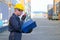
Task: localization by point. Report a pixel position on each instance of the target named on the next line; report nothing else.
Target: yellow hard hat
(19, 6)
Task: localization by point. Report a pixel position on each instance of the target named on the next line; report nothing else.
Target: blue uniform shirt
(15, 24)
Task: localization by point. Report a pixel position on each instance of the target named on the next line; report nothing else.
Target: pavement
(45, 30)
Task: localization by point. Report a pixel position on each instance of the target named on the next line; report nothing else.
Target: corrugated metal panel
(4, 10)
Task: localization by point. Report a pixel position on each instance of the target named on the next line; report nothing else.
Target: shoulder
(12, 17)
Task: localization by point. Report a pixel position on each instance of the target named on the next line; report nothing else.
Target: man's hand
(23, 17)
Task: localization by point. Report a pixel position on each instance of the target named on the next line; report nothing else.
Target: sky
(40, 5)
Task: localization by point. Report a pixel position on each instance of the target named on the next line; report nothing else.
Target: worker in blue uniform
(15, 23)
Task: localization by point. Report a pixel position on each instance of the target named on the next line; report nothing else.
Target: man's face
(19, 12)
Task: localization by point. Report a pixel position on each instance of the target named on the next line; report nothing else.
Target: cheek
(18, 12)
(21, 12)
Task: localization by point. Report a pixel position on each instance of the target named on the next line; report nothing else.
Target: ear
(15, 10)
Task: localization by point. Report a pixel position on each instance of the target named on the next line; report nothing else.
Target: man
(15, 23)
